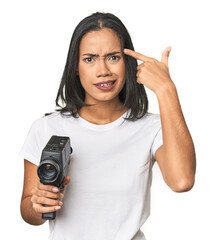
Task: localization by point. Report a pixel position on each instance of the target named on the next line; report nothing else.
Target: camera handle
(49, 216)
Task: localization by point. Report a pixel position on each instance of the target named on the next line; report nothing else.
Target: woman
(115, 140)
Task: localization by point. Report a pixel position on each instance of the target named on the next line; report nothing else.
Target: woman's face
(101, 66)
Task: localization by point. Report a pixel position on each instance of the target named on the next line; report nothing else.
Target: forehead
(100, 42)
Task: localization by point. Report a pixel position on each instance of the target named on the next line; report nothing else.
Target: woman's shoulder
(149, 121)
(151, 118)
(51, 119)
(47, 117)
(152, 115)
(55, 116)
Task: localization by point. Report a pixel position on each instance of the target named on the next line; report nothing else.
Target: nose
(103, 70)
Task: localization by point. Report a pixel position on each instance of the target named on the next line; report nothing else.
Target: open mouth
(106, 86)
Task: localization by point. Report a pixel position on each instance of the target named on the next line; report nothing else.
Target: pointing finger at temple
(137, 55)
(165, 56)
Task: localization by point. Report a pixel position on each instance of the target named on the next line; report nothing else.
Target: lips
(106, 85)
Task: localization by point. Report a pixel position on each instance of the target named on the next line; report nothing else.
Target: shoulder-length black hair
(71, 92)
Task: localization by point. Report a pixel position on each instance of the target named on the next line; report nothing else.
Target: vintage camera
(54, 163)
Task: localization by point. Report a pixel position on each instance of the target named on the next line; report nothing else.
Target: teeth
(106, 84)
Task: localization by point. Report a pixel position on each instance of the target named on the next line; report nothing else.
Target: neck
(102, 113)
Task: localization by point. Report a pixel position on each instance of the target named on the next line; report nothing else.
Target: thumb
(165, 56)
(66, 181)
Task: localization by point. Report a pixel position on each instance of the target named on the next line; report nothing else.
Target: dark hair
(71, 92)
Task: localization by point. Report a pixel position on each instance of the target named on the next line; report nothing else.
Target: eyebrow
(97, 55)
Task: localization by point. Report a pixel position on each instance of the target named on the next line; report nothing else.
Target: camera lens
(48, 171)
(48, 167)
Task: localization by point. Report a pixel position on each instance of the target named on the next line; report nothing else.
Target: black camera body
(54, 163)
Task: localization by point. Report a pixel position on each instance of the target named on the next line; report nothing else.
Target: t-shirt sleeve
(31, 149)
(158, 138)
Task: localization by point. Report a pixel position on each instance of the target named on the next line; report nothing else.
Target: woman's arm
(30, 181)
(36, 194)
(176, 158)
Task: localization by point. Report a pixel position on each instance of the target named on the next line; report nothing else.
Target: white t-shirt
(108, 197)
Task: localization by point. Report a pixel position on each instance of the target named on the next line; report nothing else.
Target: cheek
(84, 74)
(121, 70)
(82, 70)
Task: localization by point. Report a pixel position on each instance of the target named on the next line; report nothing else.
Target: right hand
(48, 195)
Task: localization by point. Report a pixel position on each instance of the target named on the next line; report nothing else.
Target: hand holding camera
(48, 195)
(52, 170)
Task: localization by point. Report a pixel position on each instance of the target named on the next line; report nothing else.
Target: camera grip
(49, 216)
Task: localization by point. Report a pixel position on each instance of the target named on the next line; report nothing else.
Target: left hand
(152, 73)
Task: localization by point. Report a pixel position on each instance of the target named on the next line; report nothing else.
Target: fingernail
(61, 195)
(57, 208)
(61, 203)
(55, 189)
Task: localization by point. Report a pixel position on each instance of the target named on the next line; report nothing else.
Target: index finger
(136, 55)
(49, 188)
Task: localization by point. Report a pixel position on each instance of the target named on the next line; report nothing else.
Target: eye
(114, 58)
(88, 60)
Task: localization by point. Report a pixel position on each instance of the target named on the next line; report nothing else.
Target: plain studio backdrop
(35, 37)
